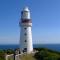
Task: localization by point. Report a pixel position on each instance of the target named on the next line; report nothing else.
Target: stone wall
(13, 57)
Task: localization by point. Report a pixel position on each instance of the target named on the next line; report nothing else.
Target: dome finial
(25, 8)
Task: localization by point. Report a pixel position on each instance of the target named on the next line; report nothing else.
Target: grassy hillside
(27, 57)
(4, 52)
(42, 54)
(46, 54)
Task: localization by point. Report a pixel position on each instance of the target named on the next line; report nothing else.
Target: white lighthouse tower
(26, 32)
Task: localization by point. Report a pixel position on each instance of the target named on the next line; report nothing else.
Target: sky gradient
(45, 15)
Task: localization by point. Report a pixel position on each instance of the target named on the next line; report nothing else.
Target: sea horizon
(55, 47)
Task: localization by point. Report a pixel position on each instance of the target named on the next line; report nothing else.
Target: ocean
(55, 47)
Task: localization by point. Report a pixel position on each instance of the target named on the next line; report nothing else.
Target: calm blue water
(49, 46)
(55, 47)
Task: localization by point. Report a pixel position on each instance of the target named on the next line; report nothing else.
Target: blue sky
(45, 16)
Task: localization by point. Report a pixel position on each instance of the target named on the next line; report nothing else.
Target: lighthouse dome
(25, 9)
(25, 14)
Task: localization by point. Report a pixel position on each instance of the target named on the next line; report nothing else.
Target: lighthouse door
(25, 50)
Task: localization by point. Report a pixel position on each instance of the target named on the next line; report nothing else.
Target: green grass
(27, 57)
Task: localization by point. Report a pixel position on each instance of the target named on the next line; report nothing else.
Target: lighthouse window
(25, 34)
(25, 49)
(25, 40)
(25, 28)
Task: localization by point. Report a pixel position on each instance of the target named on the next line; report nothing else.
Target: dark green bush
(46, 54)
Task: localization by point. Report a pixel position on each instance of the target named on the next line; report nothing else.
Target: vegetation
(46, 54)
(42, 54)
(4, 52)
(10, 51)
(2, 55)
(27, 57)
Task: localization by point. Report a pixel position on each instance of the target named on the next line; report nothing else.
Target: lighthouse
(26, 31)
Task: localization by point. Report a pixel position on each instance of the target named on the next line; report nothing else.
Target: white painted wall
(27, 37)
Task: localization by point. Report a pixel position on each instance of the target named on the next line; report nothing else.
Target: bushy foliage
(4, 52)
(46, 54)
(10, 51)
(2, 55)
